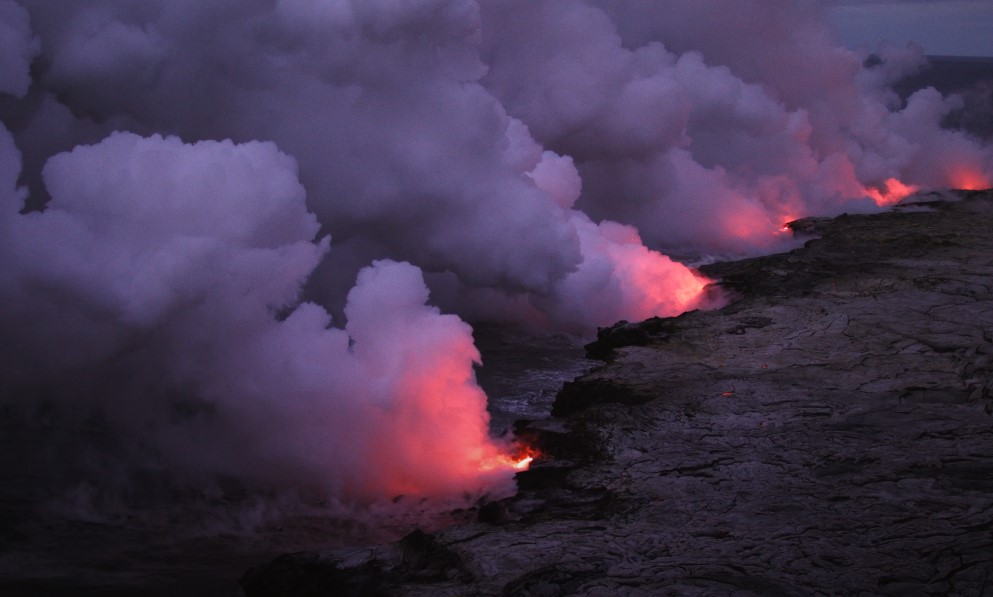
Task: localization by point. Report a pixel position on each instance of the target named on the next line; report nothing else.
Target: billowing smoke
(160, 284)
(708, 124)
(220, 221)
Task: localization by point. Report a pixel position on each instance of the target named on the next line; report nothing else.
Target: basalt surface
(828, 432)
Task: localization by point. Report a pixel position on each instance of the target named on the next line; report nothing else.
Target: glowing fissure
(534, 160)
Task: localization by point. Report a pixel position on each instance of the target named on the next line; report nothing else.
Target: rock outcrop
(828, 432)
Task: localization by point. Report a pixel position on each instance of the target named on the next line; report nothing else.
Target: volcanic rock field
(829, 432)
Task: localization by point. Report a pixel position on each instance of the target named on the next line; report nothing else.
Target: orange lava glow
(785, 228)
(431, 429)
(658, 286)
(518, 460)
(654, 285)
(891, 192)
(757, 226)
(523, 463)
(750, 226)
(620, 278)
(968, 179)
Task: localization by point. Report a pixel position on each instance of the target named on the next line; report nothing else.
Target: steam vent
(828, 431)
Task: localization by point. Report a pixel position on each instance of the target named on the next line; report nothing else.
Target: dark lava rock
(577, 396)
(417, 558)
(827, 433)
(624, 333)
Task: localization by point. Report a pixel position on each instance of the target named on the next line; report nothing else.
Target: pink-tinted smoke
(172, 174)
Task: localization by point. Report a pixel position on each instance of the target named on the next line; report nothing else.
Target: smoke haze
(245, 235)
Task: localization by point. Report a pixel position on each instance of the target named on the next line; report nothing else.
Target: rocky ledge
(828, 432)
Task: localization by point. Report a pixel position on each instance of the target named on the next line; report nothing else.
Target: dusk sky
(942, 27)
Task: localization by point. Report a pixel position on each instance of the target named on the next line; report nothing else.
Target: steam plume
(172, 172)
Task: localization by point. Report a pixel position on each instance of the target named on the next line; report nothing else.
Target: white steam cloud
(171, 172)
(163, 265)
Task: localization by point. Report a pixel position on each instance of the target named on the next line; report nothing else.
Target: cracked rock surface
(828, 432)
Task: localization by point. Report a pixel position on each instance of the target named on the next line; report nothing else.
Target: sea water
(163, 542)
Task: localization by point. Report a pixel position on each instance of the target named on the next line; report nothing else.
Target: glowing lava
(892, 191)
(523, 463)
(620, 278)
(968, 179)
(519, 459)
(785, 228)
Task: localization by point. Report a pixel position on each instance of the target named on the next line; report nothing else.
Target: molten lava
(620, 278)
(523, 463)
(519, 459)
(891, 192)
(785, 228)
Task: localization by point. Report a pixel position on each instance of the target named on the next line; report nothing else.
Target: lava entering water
(527, 157)
(785, 228)
(518, 459)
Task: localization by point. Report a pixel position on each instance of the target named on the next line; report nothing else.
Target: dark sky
(942, 27)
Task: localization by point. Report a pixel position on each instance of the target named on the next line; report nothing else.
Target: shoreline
(826, 431)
